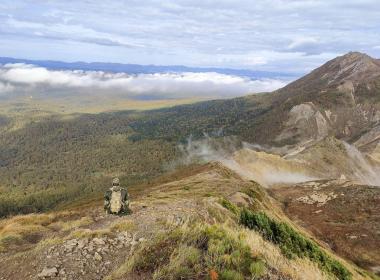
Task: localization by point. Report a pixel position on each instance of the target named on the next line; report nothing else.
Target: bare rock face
(341, 98)
(305, 123)
(369, 140)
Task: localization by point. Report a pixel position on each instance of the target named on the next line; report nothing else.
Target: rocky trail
(99, 248)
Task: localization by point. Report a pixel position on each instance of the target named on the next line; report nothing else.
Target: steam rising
(255, 162)
(226, 151)
(362, 169)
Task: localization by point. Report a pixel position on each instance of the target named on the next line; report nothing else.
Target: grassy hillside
(189, 224)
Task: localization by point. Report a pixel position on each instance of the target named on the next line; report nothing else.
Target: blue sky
(274, 35)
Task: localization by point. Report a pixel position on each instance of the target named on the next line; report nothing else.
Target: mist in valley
(270, 166)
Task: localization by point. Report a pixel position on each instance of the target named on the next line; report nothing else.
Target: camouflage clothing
(116, 199)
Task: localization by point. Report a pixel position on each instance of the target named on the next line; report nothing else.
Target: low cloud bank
(22, 78)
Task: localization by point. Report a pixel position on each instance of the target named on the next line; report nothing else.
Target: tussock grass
(23, 230)
(293, 268)
(34, 228)
(292, 243)
(230, 206)
(193, 252)
(70, 225)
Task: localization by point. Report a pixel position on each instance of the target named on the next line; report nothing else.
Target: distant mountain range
(146, 69)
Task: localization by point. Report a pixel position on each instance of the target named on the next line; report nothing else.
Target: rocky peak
(353, 66)
(345, 71)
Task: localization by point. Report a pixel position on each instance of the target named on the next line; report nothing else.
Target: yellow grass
(25, 229)
(127, 225)
(87, 233)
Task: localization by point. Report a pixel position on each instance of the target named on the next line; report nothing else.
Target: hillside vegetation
(190, 227)
(71, 156)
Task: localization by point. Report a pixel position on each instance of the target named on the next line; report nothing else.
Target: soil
(343, 214)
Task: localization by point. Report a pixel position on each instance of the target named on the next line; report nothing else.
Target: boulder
(48, 272)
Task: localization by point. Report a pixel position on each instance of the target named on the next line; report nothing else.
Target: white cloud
(24, 78)
(78, 32)
(302, 43)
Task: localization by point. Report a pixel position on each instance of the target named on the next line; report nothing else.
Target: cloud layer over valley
(24, 79)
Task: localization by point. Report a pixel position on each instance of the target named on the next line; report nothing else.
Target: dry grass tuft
(25, 229)
(126, 225)
(88, 233)
(70, 225)
(295, 269)
(35, 228)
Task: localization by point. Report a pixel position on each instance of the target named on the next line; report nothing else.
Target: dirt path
(93, 251)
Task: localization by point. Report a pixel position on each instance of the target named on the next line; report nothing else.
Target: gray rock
(98, 241)
(48, 272)
(82, 243)
(98, 257)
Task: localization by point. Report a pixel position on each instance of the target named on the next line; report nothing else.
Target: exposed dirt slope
(328, 158)
(343, 214)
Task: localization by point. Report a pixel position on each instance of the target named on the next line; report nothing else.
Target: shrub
(231, 275)
(257, 269)
(292, 243)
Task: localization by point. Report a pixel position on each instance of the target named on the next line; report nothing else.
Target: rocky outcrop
(306, 123)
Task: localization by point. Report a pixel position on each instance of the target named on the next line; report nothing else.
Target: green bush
(292, 243)
(231, 275)
(257, 269)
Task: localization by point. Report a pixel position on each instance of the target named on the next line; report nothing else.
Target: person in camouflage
(116, 199)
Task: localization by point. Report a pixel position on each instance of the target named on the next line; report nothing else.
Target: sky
(273, 35)
(285, 36)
